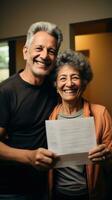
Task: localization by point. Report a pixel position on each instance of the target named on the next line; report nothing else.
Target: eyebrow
(71, 74)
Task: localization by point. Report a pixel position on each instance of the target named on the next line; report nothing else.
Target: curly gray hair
(78, 61)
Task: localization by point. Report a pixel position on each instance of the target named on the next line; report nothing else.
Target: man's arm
(37, 158)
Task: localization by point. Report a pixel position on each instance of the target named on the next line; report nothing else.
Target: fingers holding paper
(99, 153)
(42, 158)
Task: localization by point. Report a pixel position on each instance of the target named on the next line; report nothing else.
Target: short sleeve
(4, 109)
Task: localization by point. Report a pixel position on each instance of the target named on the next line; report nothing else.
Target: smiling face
(68, 83)
(40, 55)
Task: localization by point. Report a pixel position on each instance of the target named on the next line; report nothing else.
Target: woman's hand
(99, 153)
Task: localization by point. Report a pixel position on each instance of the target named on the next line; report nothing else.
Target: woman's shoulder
(99, 110)
(55, 112)
(97, 106)
(95, 109)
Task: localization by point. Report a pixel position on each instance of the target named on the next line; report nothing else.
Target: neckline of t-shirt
(27, 84)
(74, 115)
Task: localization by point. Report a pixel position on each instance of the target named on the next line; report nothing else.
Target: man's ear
(25, 52)
(55, 84)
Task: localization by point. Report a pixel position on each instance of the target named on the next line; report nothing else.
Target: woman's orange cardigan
(99, 176)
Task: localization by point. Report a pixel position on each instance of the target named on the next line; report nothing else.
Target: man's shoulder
(9, 82)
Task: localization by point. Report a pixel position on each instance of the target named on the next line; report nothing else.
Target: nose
(44, 53)
(69, 82)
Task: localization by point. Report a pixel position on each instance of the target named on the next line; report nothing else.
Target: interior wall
(16, 16)
(20, 62)
(100, 56)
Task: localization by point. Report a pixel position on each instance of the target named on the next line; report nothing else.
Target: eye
(38, 49)
(62, 79)
(75, 77)
(52, 51)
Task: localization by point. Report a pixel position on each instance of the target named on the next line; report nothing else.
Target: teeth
(39, 62)
(69, 91)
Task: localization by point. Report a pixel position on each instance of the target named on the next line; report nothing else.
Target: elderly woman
(72, 75)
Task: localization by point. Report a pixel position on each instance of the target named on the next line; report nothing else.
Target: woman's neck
(69, 108)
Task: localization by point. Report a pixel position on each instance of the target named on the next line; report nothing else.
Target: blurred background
(86, 25)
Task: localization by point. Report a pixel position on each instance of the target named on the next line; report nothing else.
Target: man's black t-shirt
(23, 111)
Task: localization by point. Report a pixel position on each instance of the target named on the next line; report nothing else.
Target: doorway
(11, 56)
(94, 39)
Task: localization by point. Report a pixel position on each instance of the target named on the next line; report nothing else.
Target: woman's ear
(84, 85)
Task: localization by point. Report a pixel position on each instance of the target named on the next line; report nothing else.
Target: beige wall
(20, 62)
(100, 49)
(17, 15)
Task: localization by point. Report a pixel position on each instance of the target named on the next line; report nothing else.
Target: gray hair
(48, 27)
(78, 61)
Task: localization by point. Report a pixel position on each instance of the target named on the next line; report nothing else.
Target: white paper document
(71, 140)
